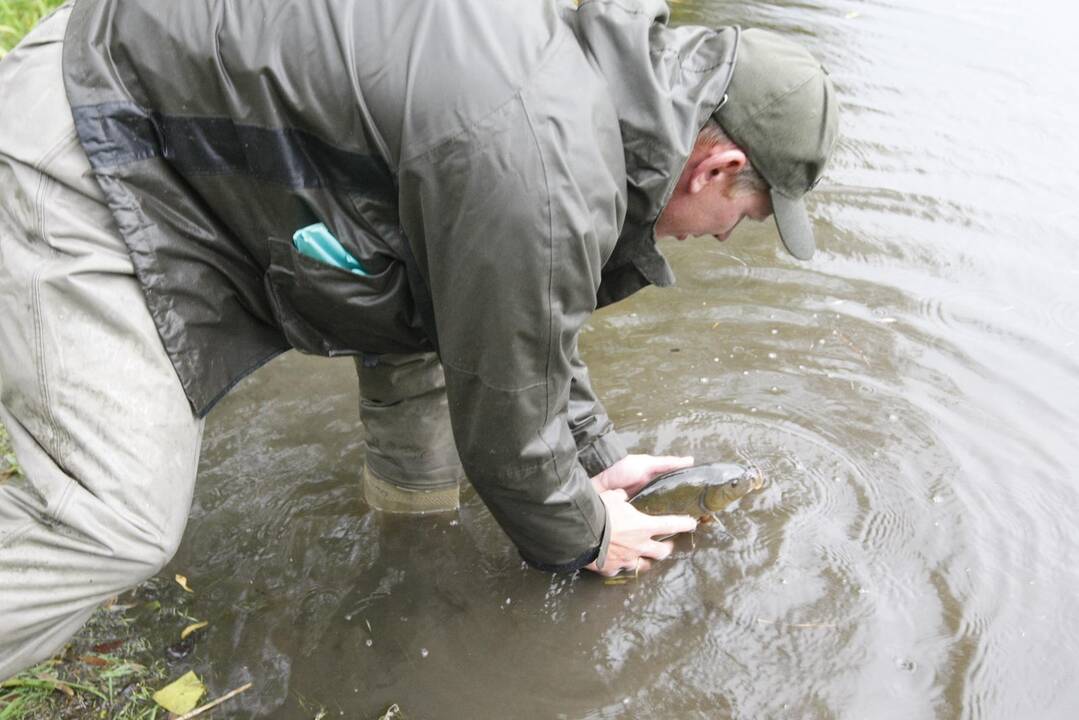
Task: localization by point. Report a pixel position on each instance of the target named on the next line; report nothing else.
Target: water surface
(911, 395)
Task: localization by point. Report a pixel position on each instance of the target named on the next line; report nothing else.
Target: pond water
(912, 395)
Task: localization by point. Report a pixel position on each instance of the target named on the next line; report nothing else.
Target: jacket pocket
(326, 310)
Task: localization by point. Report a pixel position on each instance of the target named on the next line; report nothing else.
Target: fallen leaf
(182, 695)
(182, 582)
(193, 628)
(93, 660)
(107, 647)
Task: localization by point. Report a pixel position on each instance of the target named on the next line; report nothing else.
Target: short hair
(748, 180)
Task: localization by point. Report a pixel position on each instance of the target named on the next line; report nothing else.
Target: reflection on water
(910, 395)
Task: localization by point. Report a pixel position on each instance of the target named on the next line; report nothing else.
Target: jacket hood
(666, 82)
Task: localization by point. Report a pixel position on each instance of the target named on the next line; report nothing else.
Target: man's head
(766, 146)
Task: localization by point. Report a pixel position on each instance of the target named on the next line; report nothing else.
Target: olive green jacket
(496, 165)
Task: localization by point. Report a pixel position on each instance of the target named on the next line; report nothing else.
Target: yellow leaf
(193, 628)
(182, 581)
(182, 695)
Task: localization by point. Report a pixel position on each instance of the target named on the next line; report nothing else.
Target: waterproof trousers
(104, 433)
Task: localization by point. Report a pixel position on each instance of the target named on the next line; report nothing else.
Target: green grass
(16, 19)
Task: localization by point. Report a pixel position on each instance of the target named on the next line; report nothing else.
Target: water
(910, 393)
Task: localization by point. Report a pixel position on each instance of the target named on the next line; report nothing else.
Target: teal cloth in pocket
(317, 242)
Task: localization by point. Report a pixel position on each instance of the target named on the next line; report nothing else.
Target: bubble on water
(836, 479)
(893, 417)
(772, 356)
(753, 410)
(774, 331)
(368, 642)
(508, 601)
(775, 389)
(906, 664)
(423, 652)
(938, 499)
(704, 381)
(715, 359)
(745, 372)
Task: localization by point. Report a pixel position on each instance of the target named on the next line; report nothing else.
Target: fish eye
(734, 483)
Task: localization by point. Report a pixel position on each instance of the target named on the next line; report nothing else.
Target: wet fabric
(493, 209)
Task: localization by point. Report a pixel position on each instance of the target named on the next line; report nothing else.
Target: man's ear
(719, 164)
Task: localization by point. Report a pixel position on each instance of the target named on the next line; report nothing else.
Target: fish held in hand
(701, 490)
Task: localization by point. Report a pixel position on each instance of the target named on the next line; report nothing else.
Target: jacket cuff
(597, 554)
(601, 453)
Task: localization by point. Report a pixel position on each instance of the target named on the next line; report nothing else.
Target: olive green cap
(782, 111)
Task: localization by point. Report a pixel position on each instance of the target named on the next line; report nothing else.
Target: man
(445, 190)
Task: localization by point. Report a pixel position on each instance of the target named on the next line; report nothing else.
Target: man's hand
(632, 546)
(633, 472)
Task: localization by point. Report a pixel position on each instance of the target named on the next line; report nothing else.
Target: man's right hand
(632, 546)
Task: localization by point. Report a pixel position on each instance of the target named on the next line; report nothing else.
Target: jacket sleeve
(598, 445)
(506, 237)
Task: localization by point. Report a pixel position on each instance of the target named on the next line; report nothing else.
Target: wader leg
(411, 461)
(96, 414)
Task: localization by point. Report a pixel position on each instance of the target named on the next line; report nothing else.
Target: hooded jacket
(497, 166)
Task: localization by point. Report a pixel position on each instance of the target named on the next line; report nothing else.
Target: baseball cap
(781, 109)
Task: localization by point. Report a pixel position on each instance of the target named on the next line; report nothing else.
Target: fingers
(667, 463)
(667, 525)
(658, 550)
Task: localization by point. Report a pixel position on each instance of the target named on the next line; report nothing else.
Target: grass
(16, 19)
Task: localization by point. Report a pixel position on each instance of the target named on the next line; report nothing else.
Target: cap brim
(795, 230)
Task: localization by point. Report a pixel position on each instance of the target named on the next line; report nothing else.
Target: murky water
(912, 395)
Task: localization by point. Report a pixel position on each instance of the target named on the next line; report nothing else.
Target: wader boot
(411, 462)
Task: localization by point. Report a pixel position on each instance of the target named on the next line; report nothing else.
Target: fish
(700, 490)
